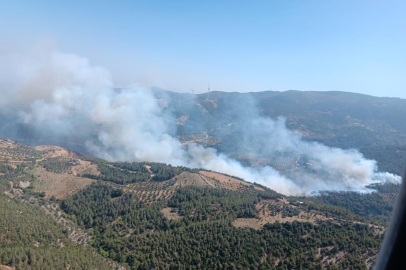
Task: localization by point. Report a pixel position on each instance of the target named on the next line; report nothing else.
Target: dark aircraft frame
(392, 254)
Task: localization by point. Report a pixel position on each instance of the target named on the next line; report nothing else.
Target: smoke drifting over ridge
(64, 95)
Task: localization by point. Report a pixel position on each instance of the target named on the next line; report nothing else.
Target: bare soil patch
(84, 167)
(171, 213)
(265, 216)
(24, 184)
(228, 181)
(257, 224)
(182, 120)
(58, 185)
(5, 267)
(149, 170)
(212, 102)
(55, 151)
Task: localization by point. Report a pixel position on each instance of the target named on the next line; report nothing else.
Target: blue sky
(345, 45)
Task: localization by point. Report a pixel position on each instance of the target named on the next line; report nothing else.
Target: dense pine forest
(32, 240)
(156, 216)
(140, 236)
(124, 172)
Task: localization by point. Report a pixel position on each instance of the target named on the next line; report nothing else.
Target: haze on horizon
(233, 45)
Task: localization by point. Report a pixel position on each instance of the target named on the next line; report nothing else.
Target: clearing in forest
(171, 213)
(58, 185)
(229, 182)
(84, 167)
(190, 179)
(55, 151)
(271, 211)
(389, 197)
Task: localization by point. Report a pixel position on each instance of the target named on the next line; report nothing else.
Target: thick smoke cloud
(64, 95)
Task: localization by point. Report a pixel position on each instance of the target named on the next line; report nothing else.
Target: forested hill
(78, 212)
(330, 117)
(374, 125)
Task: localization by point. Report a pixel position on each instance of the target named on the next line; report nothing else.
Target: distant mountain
(374, 125)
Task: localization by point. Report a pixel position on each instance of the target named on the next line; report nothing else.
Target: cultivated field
(271, 211)
(389, 198)
(58, 185)
(14, 154)
(228, 182)
(55, 151)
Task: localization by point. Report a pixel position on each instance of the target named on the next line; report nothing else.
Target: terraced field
(271, 211)
(389, 197)
(228, 182)
(15, 154)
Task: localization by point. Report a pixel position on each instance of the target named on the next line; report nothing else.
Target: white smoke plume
(64, 94)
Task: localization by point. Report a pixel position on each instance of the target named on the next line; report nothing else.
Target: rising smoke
(64, 95)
